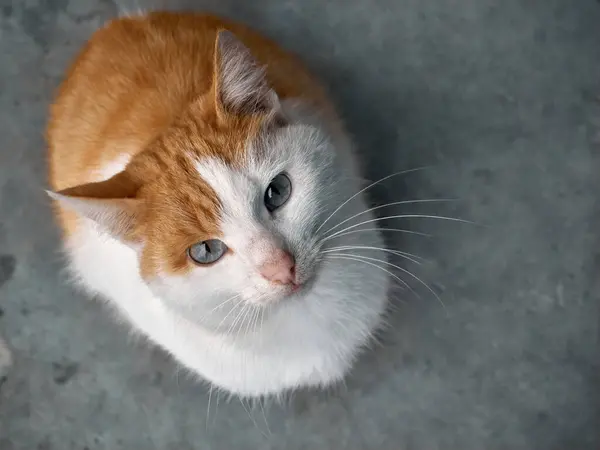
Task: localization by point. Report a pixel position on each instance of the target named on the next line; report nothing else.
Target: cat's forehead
(220, 148)
(198, 186)
(212, 186)
(239, 186)
(233, 185)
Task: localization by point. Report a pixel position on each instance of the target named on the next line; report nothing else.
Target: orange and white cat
(196, 167)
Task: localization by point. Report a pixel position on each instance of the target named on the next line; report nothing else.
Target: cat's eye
(278, 192)
(207, 252)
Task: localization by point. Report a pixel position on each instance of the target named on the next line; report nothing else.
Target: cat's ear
(240, 84)
(111, 204)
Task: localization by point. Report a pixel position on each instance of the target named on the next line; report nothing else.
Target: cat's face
(243, 227)
(227, 203)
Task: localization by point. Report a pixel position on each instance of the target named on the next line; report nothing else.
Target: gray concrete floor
(501, 96)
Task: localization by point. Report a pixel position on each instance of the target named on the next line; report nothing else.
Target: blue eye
(278, 192)
(207, 252)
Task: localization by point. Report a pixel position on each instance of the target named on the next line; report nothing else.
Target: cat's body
(165, 136)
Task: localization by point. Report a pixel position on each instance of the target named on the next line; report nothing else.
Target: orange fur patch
(141, 87)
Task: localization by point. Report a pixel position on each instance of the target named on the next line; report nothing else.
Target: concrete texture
(501, 96)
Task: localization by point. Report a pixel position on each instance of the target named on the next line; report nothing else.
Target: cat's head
(227, 202)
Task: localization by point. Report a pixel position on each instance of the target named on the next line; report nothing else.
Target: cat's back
(132, 79)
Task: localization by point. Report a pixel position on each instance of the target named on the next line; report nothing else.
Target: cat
(200, 176)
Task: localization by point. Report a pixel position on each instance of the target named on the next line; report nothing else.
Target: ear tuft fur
(240, 83)
(111, 204)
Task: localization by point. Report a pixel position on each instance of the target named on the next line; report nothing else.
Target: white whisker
(229, 313)
(237, 317)
(404, 202)
(265, 416)
(368, 187)
(248, 312)
(217, 403)
(357, 259)
(256, 320)
(399, 216)
(210, 391)
(252, 418)
(262, 321)
(220, 305)
(251, 327)
(409, 256)
(408, 273)
(399, 230)
(239, 320)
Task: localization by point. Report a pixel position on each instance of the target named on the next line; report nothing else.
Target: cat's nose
(280, 268)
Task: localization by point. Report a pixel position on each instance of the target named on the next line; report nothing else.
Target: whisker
(368, 187)
(244, 323)
(229, 313)
(262, 318)
(217, 403)
(210, 391)
(231, 326)
(406, 255)
(251, 328)
(400, 216)
(252, 312)
(412, 275)
(249, 308)
(245, 314)
(220, 305)
(355, 258)
(265, 416)
(256, 320)
(241, 318)
(399, 230)
(404, 202)
(262, 322)
(252, 418)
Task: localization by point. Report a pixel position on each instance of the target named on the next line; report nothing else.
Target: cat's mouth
(306, 279)
(302, 290)
(282, 293)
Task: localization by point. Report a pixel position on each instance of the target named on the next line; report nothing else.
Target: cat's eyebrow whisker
(399, 216)
(369, 187)
(408, 272)
(409, 256)
(357, 259)
(403, 202)
(399, 230)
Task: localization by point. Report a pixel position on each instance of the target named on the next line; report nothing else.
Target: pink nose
(279, 269)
